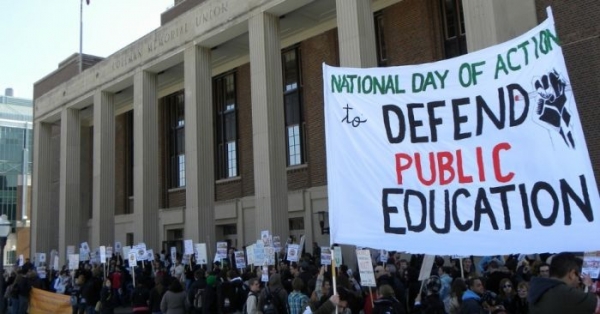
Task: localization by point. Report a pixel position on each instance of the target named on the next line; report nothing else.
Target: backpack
(245, 308)
(241, 291)
(197, 298)
(272, 303)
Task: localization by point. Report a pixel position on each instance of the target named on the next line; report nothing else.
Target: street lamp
(4, 232)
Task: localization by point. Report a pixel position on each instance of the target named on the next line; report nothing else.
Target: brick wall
(579, 33)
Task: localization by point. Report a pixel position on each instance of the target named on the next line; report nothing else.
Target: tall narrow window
(455, 42)
(176, 108)
(292, 98)
(380, 39)
(226, 124)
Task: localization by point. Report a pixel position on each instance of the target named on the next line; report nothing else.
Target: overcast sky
(37, 35)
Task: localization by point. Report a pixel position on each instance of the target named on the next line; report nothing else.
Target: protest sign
(118, 247)
(73, 261)
(365, 268)
(426, 267)
(240, 260)
(325, 256)
(488, 145)
(201, 255)
(150, 255)
(293, 252)
(337, 255)
(188, 247)
(259, 253)
(591, 264)
(221, 250)
(250, 254)
(102, 254)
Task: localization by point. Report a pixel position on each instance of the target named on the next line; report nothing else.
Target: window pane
(232, 159)
(450, 18)
(380, 38)
(290, 70)
(181, 161)
(292, 108)
(294, 147)
(226, 126)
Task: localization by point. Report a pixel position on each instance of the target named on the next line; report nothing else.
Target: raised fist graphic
(551, 107)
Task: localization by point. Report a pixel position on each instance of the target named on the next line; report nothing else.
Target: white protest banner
(73, 261)
(102, 254)
(591, 264)
(293, 252)
(488, 145)
(240, 259)
(325, 256)
(221, 250)
(365, 268)
(250, 254)
(188, 247)
(426, 267)
(201, 254)
(337, 255)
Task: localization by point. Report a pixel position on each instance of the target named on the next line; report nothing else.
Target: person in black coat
(387, 302)
(431, 303)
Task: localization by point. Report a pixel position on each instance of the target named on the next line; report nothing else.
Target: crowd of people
(495, 284)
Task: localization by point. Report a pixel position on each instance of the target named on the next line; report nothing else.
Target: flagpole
(80, 36)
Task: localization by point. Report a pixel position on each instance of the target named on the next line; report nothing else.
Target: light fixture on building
(4, 232)
(323, 215)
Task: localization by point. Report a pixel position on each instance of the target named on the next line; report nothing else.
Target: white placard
(460, 149)
(70, 249)
(293, 252)
(132, 259)
(118, 247)
(221, 250)
(141, 253)
(426, 267)
(109, 251)
(591, 264)
(383, 256)
(365, 268)
(56, 264)
(126, 250)
(102, 254)
(277, 244)
(240, 260)
(188, 247)
(250, 254)
(337, 255)
(266, 238)
(264, 277)
(173, 254)
(73, 261)
(270, 255)
(302, 242)
(85, 247)
(325, 256)
(201, 254)
(259, 253)
(150, 255)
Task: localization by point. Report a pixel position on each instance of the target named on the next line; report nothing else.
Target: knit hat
(211, 280)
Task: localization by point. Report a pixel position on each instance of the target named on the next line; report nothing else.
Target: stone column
(270, 169)
(69, 217)
(356, 33)
(199, 147)
(356, 37)
(44, 220)
(490, 22)
(103, 198)
(145, 159)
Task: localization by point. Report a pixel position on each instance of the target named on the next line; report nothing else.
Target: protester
(297, 301)
(108, 300)
(561, 293)
(174, 300)
(252, 300)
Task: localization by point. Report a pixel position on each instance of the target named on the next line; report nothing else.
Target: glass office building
(16, 140)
